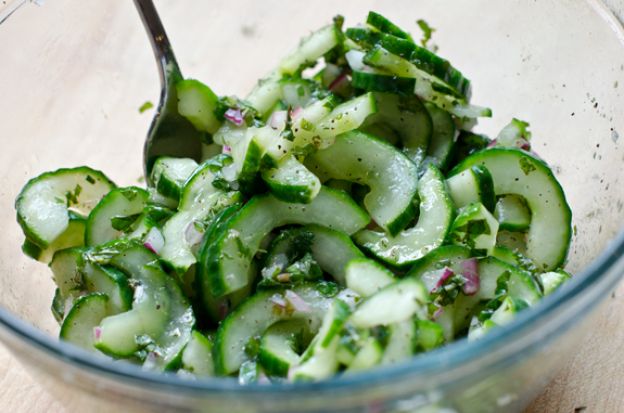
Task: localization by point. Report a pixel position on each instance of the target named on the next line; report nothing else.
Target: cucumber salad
(342, 216)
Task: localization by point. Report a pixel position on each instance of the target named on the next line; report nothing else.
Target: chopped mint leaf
(146, 106)
(526, 166)
(123, 223)
(426, 30)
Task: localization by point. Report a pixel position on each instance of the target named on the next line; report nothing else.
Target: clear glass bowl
(74, 73)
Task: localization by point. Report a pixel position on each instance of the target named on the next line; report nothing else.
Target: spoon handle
(167, 64)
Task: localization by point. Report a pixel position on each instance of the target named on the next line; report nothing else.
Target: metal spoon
(169, 134)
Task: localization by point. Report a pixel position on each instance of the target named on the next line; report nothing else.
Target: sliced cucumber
(226, 262)
(370, 38)
(170, 174)
(515, 241)
(406, 117)
(67, 272)
(160, 321)
(303, 122)
(443, 137)
(290, 181)
(392, 178)
(197, 357)
(311, 49)
(396, 302)
(551, 281)
(429, 335)
(369, 355)
(111, 282)
(434, 222)
(319, 360)
(382, 82)
(44, 203)
(297, 92)
(366, 277)
(344, 118)
(512, 213)
(115, 214)
(83, 318)
(73, 236)
(472, 185)
(401, 341)
(198, 103)
(384, 25)
(266, 94)
(259, 312)
(516, 172)
(278, 347)
(475, 227)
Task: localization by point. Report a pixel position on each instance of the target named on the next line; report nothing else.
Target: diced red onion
(278, 301)
(492, 143)
(235, 116)
(97, 332)
(296, 112)
(223, 309)
(192, 235)
(278, 119)
(227, 149)
(470, 271)
(523, 144)
(446, 274)
(438, 313)
(154, 241)
(297, 302)
(340, 81)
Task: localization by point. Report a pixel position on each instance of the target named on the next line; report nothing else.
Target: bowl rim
(600, 276)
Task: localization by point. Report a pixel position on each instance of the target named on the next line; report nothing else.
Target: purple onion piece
(192, 235)
(296, 112)
(446, 274)
(227, 149)
(339, 81)
(97, 332)
(470, 271)
(297, 302)
(235, 116)
(438, 313)
(154, 241)
(492, 143)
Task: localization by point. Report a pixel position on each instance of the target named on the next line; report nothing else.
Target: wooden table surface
(592, 381)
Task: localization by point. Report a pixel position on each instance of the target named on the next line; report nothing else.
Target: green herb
(72, 196)
(327, 288)
(90, 179)
(123, 223)
(426, 30)
(526, 166)
(146, 106)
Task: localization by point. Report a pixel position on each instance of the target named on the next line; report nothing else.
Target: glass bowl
(74, 74)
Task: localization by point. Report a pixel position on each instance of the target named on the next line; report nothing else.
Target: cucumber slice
(160, 321)
(311, 49)
(467, 144)
(304, 121)
(392, 178)
(197, 356)
(111, 282)
(443, 137)
(512, 213)
(278, 347)
(475, 227)
(366, 277)
(344, 118)
(183, 232)
(44, 203)
(115, 213)
(290, 181)
(259, 312)
(406, 117)
(58, 306)
(516, 172)
(429, 335)
(369, 355)
(226, 262)
(198, 103)
(434, 222)
(73, 236)
(265, 94)
(297, 92)
(552, 280)
(401, 341)
(384, 25)
(370, 38)
(472, 185)
(382, 82)
(506, 255)
(332, 250)
(319, 360)
(67, 272)
(170, 174)
(84, 316)
(396, 302)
